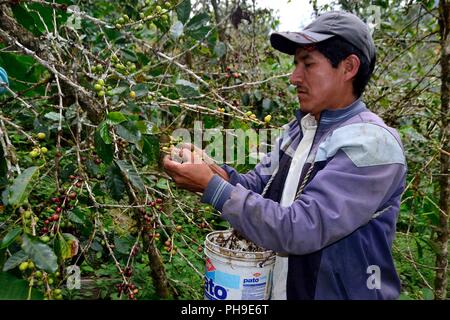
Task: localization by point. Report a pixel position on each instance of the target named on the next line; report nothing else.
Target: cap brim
(288, 42)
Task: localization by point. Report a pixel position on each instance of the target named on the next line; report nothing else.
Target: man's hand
(191, 175)
(200, 155)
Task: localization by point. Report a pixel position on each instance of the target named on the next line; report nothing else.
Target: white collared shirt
(309, 127)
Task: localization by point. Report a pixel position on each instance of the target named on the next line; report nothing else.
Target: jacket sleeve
(254, 180)
(339, 199)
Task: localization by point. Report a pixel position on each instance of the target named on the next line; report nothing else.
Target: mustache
(300, 88)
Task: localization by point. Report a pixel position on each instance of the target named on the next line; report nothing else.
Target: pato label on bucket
(220, 285)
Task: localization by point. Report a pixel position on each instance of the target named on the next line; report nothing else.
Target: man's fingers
(188, 146)
(170, 165)
(200, 155)
(191, 157)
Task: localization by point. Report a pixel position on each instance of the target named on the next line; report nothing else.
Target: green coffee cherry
(23, 266)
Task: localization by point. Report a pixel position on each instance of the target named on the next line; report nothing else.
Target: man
(329, 209)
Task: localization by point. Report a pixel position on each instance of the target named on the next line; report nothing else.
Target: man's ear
(351, 66)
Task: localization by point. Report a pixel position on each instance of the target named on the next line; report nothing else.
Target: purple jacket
(339, 232)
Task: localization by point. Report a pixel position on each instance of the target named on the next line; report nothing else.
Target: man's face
(318, 83)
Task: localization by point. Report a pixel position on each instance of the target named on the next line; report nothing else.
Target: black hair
(336, 49)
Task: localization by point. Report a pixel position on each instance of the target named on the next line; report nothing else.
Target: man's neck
(342, 104)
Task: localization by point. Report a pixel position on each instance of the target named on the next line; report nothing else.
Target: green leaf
(428, 294)
(21, 187)
(128, 54)
(39, 18)
(104, 151)
(25, 19)
(404, 297)
(123, 244)
(77, 216)
(257, 94)
(12, 288)
(23, 68)
(145, 127)
(72, 242)
(114, 182)
(92, 168)
(118, 90)
(176, 30)
(61, 248)
(266, 103)
(184, 10)
(16, 259)
(103, 130)
(197, 27)
(187, 89)
(129, 131)
(55, 116)
(141, 90)
(116, 117)
(162, 184)
(40, 253)
(150, 149)
(220, 49)
(131, 174)
(198, 21)
(10, 237)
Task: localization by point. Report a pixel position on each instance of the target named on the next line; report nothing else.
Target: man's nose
(296, 77)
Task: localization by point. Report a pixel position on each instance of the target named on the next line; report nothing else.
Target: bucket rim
(235, 254)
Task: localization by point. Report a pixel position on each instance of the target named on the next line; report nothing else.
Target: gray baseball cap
(330, 24)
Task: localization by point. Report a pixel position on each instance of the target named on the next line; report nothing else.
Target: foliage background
(107, 82)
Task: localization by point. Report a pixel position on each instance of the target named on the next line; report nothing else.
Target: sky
(294, 14)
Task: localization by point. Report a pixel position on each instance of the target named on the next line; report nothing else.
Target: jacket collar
(331, 117)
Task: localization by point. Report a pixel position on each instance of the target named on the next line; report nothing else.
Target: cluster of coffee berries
(99, 86)
(154, 235)
(157, 204)
(122, 20)
(170, 247)
(53, 213)
(98, 68)
(250, 114)
(230, 72)
(130, 289)
(26, 265)
(79, 180)
(37, 151)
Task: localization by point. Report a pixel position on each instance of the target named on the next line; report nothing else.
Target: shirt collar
(308, 122)
(330, 117)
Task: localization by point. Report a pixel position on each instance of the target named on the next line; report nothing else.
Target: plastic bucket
(236, 275)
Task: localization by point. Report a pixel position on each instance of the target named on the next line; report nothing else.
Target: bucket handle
(261, 264)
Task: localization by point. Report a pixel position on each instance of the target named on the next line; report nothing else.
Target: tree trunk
(157, 270)
(441, 279)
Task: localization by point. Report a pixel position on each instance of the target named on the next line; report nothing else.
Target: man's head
(335, 57)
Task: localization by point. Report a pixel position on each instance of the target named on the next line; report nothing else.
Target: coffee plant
(98, 88)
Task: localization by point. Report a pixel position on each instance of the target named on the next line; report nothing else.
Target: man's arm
(254, 180)
(340, 198)
(364, 169)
